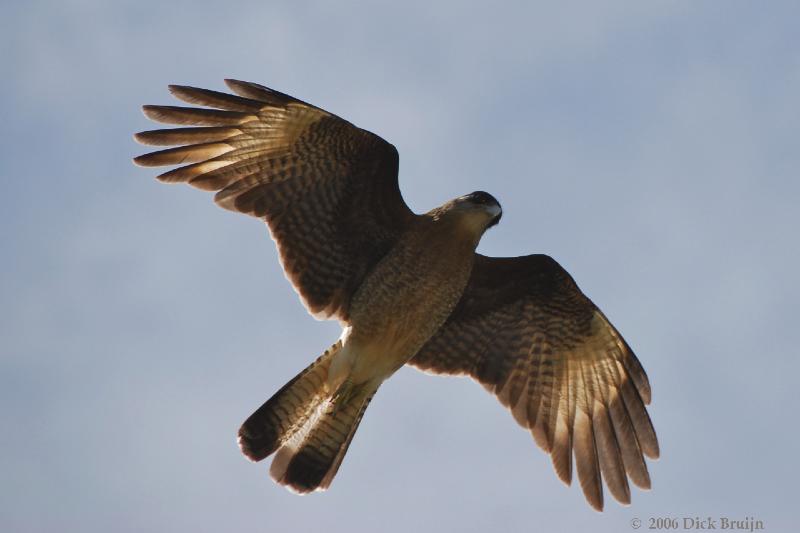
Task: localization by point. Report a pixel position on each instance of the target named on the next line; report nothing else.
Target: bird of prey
(407, 289)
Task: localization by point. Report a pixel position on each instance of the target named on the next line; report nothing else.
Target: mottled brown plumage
(407, 289)
(327, 189)
(525, 331)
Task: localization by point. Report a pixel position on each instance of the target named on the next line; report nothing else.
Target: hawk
(407, 289)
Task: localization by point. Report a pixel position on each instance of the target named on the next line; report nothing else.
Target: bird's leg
(342, 395)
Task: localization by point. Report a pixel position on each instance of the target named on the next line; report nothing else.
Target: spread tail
(310, 460)
(308, 425)
(287, 411)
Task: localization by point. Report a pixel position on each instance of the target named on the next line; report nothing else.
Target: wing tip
(233, 83)
(140, 160)
(238, 86)
(566, 479)
(181, 92)
(226, 200)
(653, 451)
(596, 504)
(645, 391)
(151, 111)
(622, 496)
(140, 137)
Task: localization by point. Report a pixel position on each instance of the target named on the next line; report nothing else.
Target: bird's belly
(390, 325)
(379, 354)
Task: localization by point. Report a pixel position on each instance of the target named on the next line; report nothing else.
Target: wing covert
(327, 189)
(527, 333)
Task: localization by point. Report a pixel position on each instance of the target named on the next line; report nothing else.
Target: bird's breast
(405, 300)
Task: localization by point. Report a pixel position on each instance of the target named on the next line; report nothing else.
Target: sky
(650, 147)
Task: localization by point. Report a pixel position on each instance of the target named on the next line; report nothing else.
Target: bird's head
(486, 203)
(477, 211)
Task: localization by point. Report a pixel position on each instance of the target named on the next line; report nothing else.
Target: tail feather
(289, 409)
(309, 425)
(311, 461)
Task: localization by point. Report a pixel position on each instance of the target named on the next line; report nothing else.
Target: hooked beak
(497, 211)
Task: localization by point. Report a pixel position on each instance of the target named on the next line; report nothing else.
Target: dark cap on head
(484, 198)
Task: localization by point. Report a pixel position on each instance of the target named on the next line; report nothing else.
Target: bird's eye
(479, 199)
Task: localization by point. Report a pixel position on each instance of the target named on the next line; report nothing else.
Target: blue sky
(650, 147)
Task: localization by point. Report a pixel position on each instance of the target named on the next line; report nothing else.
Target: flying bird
(408, 289)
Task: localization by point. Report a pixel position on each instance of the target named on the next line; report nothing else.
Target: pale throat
(472, 224)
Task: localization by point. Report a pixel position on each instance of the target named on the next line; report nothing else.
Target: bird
(407, 289)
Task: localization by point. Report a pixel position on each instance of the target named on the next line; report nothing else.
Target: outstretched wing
(327, 189)
(526, 332)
